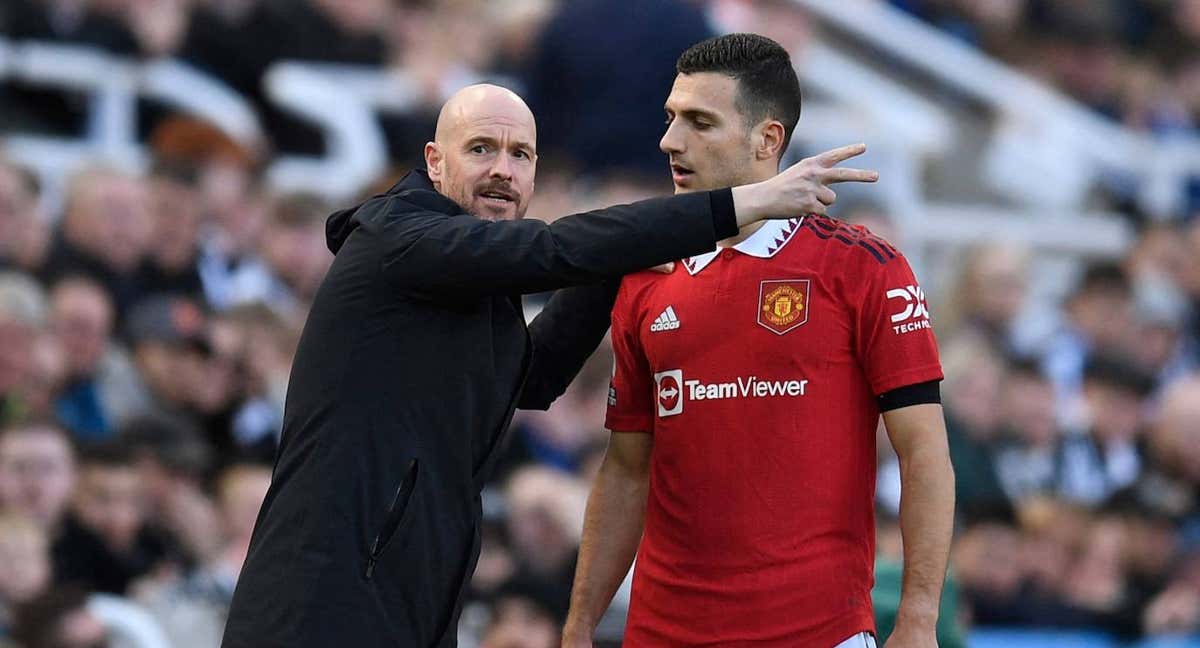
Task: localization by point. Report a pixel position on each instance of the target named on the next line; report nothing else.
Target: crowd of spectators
(147, 326)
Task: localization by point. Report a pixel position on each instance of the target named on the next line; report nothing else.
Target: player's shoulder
(635, 286)
(845, 243)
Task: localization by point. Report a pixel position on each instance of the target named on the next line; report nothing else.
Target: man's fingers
(666, 268)
(839, 174)
(826, 196)
(840, 154)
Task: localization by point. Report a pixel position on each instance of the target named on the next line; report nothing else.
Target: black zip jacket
(414, 356)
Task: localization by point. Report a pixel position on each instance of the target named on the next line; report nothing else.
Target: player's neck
(746, 232)
(743, 234)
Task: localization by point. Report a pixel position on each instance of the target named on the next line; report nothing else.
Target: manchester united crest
(783, 304)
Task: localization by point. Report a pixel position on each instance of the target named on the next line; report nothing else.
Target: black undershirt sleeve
(918, 394)
(723, 213)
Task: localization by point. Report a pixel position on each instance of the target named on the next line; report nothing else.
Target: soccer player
(746, 392)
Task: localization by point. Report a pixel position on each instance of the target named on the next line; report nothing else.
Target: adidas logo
(666, 321)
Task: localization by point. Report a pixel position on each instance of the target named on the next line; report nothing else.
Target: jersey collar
(769, 239)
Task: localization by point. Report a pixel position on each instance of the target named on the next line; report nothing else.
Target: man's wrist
(747, 204)
(917, 616)
(579, 627)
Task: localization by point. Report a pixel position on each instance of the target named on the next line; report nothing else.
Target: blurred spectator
(545, 520)
(1030, 460)
(1098, 318)
(176, 212)
(989, 294)
(260, 344)
(598, 93)
(971, 401)
(59, 618)
(24, 564)
(105, 234)
(986, 557)
(174, 463)
(106, 542)
(230, 267)
(524, 615)
(222, 176)
(335, 31)
(22, 315)
(294, 248)
(37, 473)
(575, 420)
(160, 26)
(230, 40)
(24, 233)
(73, 21)
(1169, 486)
(989, 25)
(1097, 585)
(102, 387)
(1102, 456)
(174, 356)
(192, 610)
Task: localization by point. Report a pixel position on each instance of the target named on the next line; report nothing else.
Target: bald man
(416, 353)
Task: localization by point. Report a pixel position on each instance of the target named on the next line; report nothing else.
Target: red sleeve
(631, 393)
(895, 342)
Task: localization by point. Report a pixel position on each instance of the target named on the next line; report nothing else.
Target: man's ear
(434, 161)
(769, 140)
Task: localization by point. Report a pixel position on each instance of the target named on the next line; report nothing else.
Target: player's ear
(434, 161)
(769, 140)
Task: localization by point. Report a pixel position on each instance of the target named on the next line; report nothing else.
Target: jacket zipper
(395, 513)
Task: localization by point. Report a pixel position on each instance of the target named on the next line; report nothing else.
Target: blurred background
(166, 166)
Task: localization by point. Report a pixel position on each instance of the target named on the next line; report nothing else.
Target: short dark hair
(767, 83)
(110, 453)
(1104, 277)
(1118, 372)
(38, 623)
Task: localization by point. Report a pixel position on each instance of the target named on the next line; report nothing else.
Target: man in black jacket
(415, 355)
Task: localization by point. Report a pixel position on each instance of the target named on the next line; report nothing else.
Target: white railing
(356, 151)
(1049, 150)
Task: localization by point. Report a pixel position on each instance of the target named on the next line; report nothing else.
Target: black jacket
(413, 358)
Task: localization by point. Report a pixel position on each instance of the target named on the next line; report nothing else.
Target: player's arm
(899, 356)
(612, 528)
(918, 433)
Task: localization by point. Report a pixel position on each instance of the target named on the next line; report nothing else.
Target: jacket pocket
(396, 513)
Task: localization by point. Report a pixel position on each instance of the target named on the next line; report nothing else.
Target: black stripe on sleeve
(918, 394)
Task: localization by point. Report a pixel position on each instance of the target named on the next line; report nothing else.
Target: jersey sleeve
(894, 337)
(631, 392)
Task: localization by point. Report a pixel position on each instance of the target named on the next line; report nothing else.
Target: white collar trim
(764, 244)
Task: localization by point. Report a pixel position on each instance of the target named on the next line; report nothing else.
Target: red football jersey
(756, 368)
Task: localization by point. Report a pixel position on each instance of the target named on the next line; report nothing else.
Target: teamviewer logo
(670, 392)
